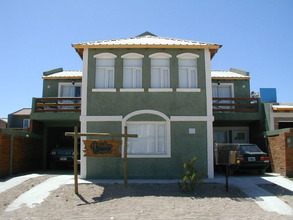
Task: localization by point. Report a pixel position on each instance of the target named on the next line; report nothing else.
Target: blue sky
(36, 36)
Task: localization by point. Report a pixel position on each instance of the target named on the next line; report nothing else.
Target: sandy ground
(141, 201)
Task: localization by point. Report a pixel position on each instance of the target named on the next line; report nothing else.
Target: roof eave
(213, 48)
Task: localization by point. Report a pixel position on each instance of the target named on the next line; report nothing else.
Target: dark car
(253, 158)
(61, 157)
(242, 157)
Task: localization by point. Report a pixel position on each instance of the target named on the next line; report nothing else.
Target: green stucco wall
(183, 147)
(169, 103)
(51, 86)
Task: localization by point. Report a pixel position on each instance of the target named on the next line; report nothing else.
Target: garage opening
(60, 148)
(288, 124)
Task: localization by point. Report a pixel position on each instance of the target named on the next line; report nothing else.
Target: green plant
(191, 177)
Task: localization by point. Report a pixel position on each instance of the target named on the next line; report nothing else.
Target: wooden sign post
(102, 150)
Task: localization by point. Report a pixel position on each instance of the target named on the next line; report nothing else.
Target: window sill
(160, 90)
(104, 90)
(188, 90)
(132, 90)
(147, 156)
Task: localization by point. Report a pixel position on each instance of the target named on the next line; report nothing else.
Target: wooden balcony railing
(57, 104)
(235, 105)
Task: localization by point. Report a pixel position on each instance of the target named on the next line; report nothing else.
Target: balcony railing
(57, 104)
(235, 105)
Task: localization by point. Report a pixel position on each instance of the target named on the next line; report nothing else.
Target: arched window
(153, 136)
(160, 70)
(132, 70)
(187, 64)
(105, 70)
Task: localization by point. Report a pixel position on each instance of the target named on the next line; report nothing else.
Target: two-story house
(160, 88)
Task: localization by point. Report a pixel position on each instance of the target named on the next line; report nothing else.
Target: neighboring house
(160, 88)
(238, 117)
(279, 115)
(3, 122)
(19, 120)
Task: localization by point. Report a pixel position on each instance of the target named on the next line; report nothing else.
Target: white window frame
(24, 122)
(76, 84)
(107, 87)
(166, 120)
(135, 87)
(231, 85)
(190, 88)
(156, 124)
(162, 88)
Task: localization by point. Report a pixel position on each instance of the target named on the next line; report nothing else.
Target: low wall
(281, 151)
(19, 152)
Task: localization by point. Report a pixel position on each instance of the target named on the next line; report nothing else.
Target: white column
(210, 150)
(83, 122)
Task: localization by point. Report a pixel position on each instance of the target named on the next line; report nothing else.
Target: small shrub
(191, 177)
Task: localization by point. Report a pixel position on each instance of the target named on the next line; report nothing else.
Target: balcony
(56, 109)
(57, 104)
(235, 104)
(237, 109)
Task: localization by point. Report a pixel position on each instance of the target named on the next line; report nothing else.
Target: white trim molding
(104, 90)
(100, 118)
(168, 124)
(209, 106)
(187, 56)
(131, 90)
(105, 55)
(192, 118)
(188, 90)
(132, 56)
(160, 55)
(160, 90)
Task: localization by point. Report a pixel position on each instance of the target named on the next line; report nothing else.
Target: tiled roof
(24, 111)
(148, 39)
(78, 74)
(64, 74)
(227, 74)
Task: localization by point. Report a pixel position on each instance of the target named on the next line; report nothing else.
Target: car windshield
(249, 148)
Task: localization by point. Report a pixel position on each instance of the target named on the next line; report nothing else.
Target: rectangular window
(26, 123)
(69, 90)
(224, 90)
(132, 73)
(152, 138)
(105, 73)
(160, 73)
(187, 73)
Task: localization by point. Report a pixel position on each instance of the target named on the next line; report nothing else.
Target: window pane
(127, 78)
(165, 79)
(155, 78)
(160, 62)
(192, 83)
(187, 62)
(110, 78)
(161, 139)
(100, 78)
(105, 62)
(132, 62)
(183, 78)
(151, 139)
(138, 78)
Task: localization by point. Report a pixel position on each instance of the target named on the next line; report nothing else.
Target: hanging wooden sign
(102, 148)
